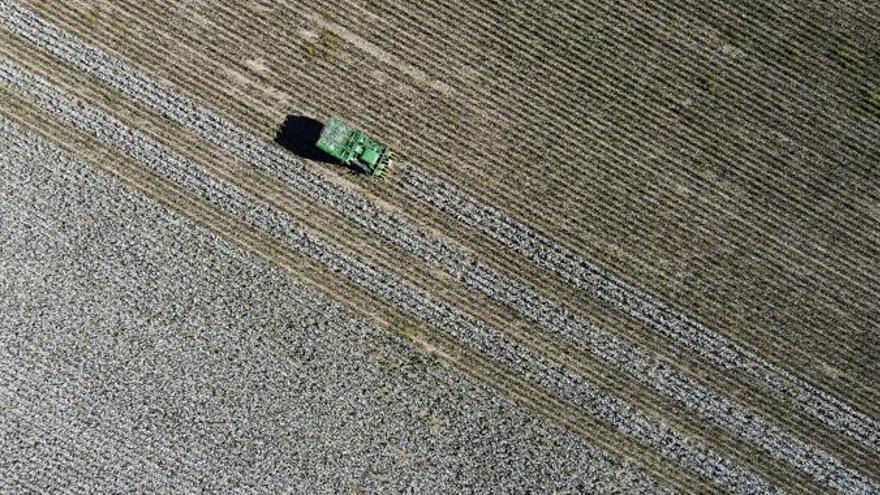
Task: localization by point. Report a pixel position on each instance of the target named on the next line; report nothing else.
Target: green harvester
(354, 148)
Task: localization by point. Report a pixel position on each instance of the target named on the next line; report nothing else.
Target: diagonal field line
(657, 315)
(572, 388)
(250, 149)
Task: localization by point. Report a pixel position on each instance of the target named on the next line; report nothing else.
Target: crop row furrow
(411, 299)
(535, 26)
(689, 332)
(557, 351)
(806, 289)
(445, 345)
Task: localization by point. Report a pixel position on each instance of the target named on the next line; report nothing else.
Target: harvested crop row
(545, 345)
(557, 86)
(372, 338)
(696, 337)
(805, 294)
(537, 27)
(533, 37)
(462, 357)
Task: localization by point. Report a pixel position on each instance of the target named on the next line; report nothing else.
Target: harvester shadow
(299, 134)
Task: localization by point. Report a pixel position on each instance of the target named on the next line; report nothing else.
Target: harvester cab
(354, 148)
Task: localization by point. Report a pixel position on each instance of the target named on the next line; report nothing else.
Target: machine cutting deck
(354, 148)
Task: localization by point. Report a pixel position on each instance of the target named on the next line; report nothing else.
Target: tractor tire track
(805, 288)
(446, 347)
(484, 340)
(577, 362)
(41, 154)
(734, 325)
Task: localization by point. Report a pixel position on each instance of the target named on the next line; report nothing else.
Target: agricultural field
(628, 247)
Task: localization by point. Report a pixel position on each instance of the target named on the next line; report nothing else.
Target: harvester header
(354, 148)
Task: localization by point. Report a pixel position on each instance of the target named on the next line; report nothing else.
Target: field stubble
(105, 41)
(47, 343)
(766, 292)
